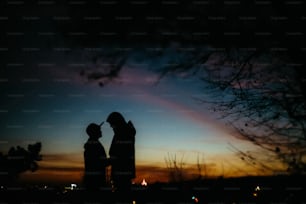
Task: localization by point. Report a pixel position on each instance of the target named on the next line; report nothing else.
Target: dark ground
(277, 189)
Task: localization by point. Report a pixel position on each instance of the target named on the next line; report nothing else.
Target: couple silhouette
(121, 155)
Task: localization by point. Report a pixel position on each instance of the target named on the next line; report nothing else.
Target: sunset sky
(45, 96)
(48, 101)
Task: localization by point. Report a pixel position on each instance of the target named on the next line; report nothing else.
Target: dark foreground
(272, 190)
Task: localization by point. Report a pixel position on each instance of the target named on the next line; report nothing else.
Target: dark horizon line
(199, 180)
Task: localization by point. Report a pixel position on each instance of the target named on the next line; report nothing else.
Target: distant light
(255, 194)
(144, 183)
(257, 188)
(134, 202)
(196, 200)
(73, 186)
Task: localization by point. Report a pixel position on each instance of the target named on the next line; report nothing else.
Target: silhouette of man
(94, 158)
(122, 152)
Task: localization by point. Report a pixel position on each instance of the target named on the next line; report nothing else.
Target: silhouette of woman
(94, 158)
(122, 152)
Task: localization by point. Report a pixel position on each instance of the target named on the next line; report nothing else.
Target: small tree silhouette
(176, 171)
(201, 166)
(19, 160)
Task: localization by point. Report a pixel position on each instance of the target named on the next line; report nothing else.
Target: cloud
(57, 169)
(74, 160)
(167, 103)
(53, 175)
(139, 75)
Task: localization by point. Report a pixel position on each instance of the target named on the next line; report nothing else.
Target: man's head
(94, 131)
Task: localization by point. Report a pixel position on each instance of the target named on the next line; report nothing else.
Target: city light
(195, 199)
(73, 186)
(144, 183)
(256, 191)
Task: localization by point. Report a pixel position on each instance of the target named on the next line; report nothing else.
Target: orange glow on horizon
(152, 174)
(59, 169)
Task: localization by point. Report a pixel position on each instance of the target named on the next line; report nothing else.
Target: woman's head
(115, 119)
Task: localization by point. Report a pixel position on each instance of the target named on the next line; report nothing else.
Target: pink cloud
(200, 116)
(139, 76)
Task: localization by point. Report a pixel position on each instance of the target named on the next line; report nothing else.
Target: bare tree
(201, 166)
(266, 105)
(262, 96)
(175, 168)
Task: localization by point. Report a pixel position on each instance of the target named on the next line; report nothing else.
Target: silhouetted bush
(19, 160)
